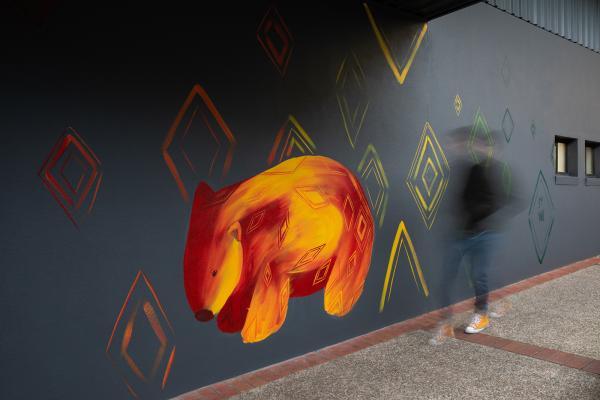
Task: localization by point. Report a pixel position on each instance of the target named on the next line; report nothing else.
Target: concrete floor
(409, 368)
(563, 314)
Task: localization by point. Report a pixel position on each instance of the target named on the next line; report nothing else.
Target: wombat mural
(290, 231)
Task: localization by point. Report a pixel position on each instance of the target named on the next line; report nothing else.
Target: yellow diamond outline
(428, 208)
(429, 163)
(349, 118)
(457, 105)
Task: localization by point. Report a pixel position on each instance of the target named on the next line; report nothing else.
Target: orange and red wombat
(290, 231)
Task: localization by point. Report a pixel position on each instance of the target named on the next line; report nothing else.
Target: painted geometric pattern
(72, 174)
(312, 196)
(307, 258)
(399, 59)
(508, 125)
(283, 229)
(457, 105)
(541, 217)
(377, 185)
(291, 141)
(255, 221)
(362, 231)
(276, 39)
(198, 142)
(428, 176)
(141, 346)
(351, 96)
(321, 273)
(402, 241)
(480, 132)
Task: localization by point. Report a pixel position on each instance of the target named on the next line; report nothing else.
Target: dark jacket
(481, 197)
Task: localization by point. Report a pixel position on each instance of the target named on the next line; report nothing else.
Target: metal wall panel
(575, 20)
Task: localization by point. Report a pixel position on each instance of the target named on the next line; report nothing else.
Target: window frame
(571, 176)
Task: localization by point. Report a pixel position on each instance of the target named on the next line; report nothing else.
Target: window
(590, 166)
(592, 163)
(561, 158)
(565, 160)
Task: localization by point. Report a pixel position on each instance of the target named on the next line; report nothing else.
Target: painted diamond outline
(508, 125)
(143, 296)
(352, 119)
(273, 21)
(371, 165)
(428, 201)
(541, 248)
(429, 184)
(72, 204)
(457, 105)
(295, 137)
(197, 92)
(480, 125)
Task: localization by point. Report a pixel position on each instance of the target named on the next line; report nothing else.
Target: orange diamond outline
(154, 323)
(197, 90)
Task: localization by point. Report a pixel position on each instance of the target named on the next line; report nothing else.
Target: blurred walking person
(474, 203)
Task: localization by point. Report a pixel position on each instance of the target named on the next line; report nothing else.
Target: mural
(457, 105)
(508, 125)
(481, 131)
(399, 52)
(377, 185)
(142, 325)
(402, 240)
(290, 231)
(72, 174)
(351, 96)
(291, 139)
(198, 142)
(541, 217)
(298, 225)
(276, 39)
(429, 174)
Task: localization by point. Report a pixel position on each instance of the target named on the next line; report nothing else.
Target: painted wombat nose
(204, 315)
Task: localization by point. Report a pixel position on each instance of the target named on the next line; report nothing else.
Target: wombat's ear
(203, 193)
(235, 230)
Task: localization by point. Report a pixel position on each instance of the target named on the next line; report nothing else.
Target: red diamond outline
(273, 18)
(67, 162)
(70, 205)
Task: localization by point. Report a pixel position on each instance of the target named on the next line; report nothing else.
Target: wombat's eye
(214, 273)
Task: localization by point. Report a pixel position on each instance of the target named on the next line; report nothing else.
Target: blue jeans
(478, 248)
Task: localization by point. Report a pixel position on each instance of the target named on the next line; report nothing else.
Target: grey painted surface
(119, 80)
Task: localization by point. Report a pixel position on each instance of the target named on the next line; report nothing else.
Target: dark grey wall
(119, 77)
